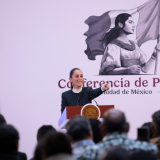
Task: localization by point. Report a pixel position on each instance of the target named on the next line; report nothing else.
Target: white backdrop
(40, 42)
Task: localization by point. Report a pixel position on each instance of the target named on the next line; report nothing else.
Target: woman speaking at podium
(79, 95)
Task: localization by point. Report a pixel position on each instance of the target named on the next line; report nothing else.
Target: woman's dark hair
(38, 153)
(2, 120)
(71, 73)
(115, 32)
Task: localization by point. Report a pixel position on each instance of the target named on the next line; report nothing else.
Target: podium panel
(71, 111)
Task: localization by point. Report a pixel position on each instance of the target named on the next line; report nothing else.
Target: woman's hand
(105, 87)
(135, 69)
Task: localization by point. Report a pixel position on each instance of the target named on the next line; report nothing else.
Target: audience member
(95, 125)
(9, 138)
(80, 133)
(156, 129)
(142, 155)
(115, 145)
(21, 155)
(42, 131)
(114, 128)
(56, 146)
(115, 153)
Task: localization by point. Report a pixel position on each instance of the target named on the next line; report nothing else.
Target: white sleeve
(112, 60)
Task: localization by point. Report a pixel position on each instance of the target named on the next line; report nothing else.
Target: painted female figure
(123, 56)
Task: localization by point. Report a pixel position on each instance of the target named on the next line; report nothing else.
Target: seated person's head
(9, 137)
(56, 143)
(156, 124)
(114, 121)
(2, 120)
(142, 155)
(95, 125)
(43, 130)
(79, 128)
(115, 153)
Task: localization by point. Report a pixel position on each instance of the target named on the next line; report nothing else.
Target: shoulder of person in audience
(148, 146)
(90, 153)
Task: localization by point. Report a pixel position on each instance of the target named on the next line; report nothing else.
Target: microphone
(78, 99)
(93, 99)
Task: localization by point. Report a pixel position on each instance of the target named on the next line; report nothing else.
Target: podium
(71, 111)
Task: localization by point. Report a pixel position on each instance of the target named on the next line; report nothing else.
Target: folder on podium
(71, 111)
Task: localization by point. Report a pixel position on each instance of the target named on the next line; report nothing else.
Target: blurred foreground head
(79, 128)
(114, 121)
(56, 143)
(142, 155)
(43, 130)
(9, 137)
(115, 153)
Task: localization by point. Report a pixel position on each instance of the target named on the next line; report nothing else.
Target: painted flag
(146, 17)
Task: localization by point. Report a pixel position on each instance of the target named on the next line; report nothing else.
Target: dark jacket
(69, 98)
(18, 156)
(22, 156)
(8, 157)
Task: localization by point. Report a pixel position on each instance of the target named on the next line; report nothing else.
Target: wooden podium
(71, 111)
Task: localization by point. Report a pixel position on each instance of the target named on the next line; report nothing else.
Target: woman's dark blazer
(69, 98)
